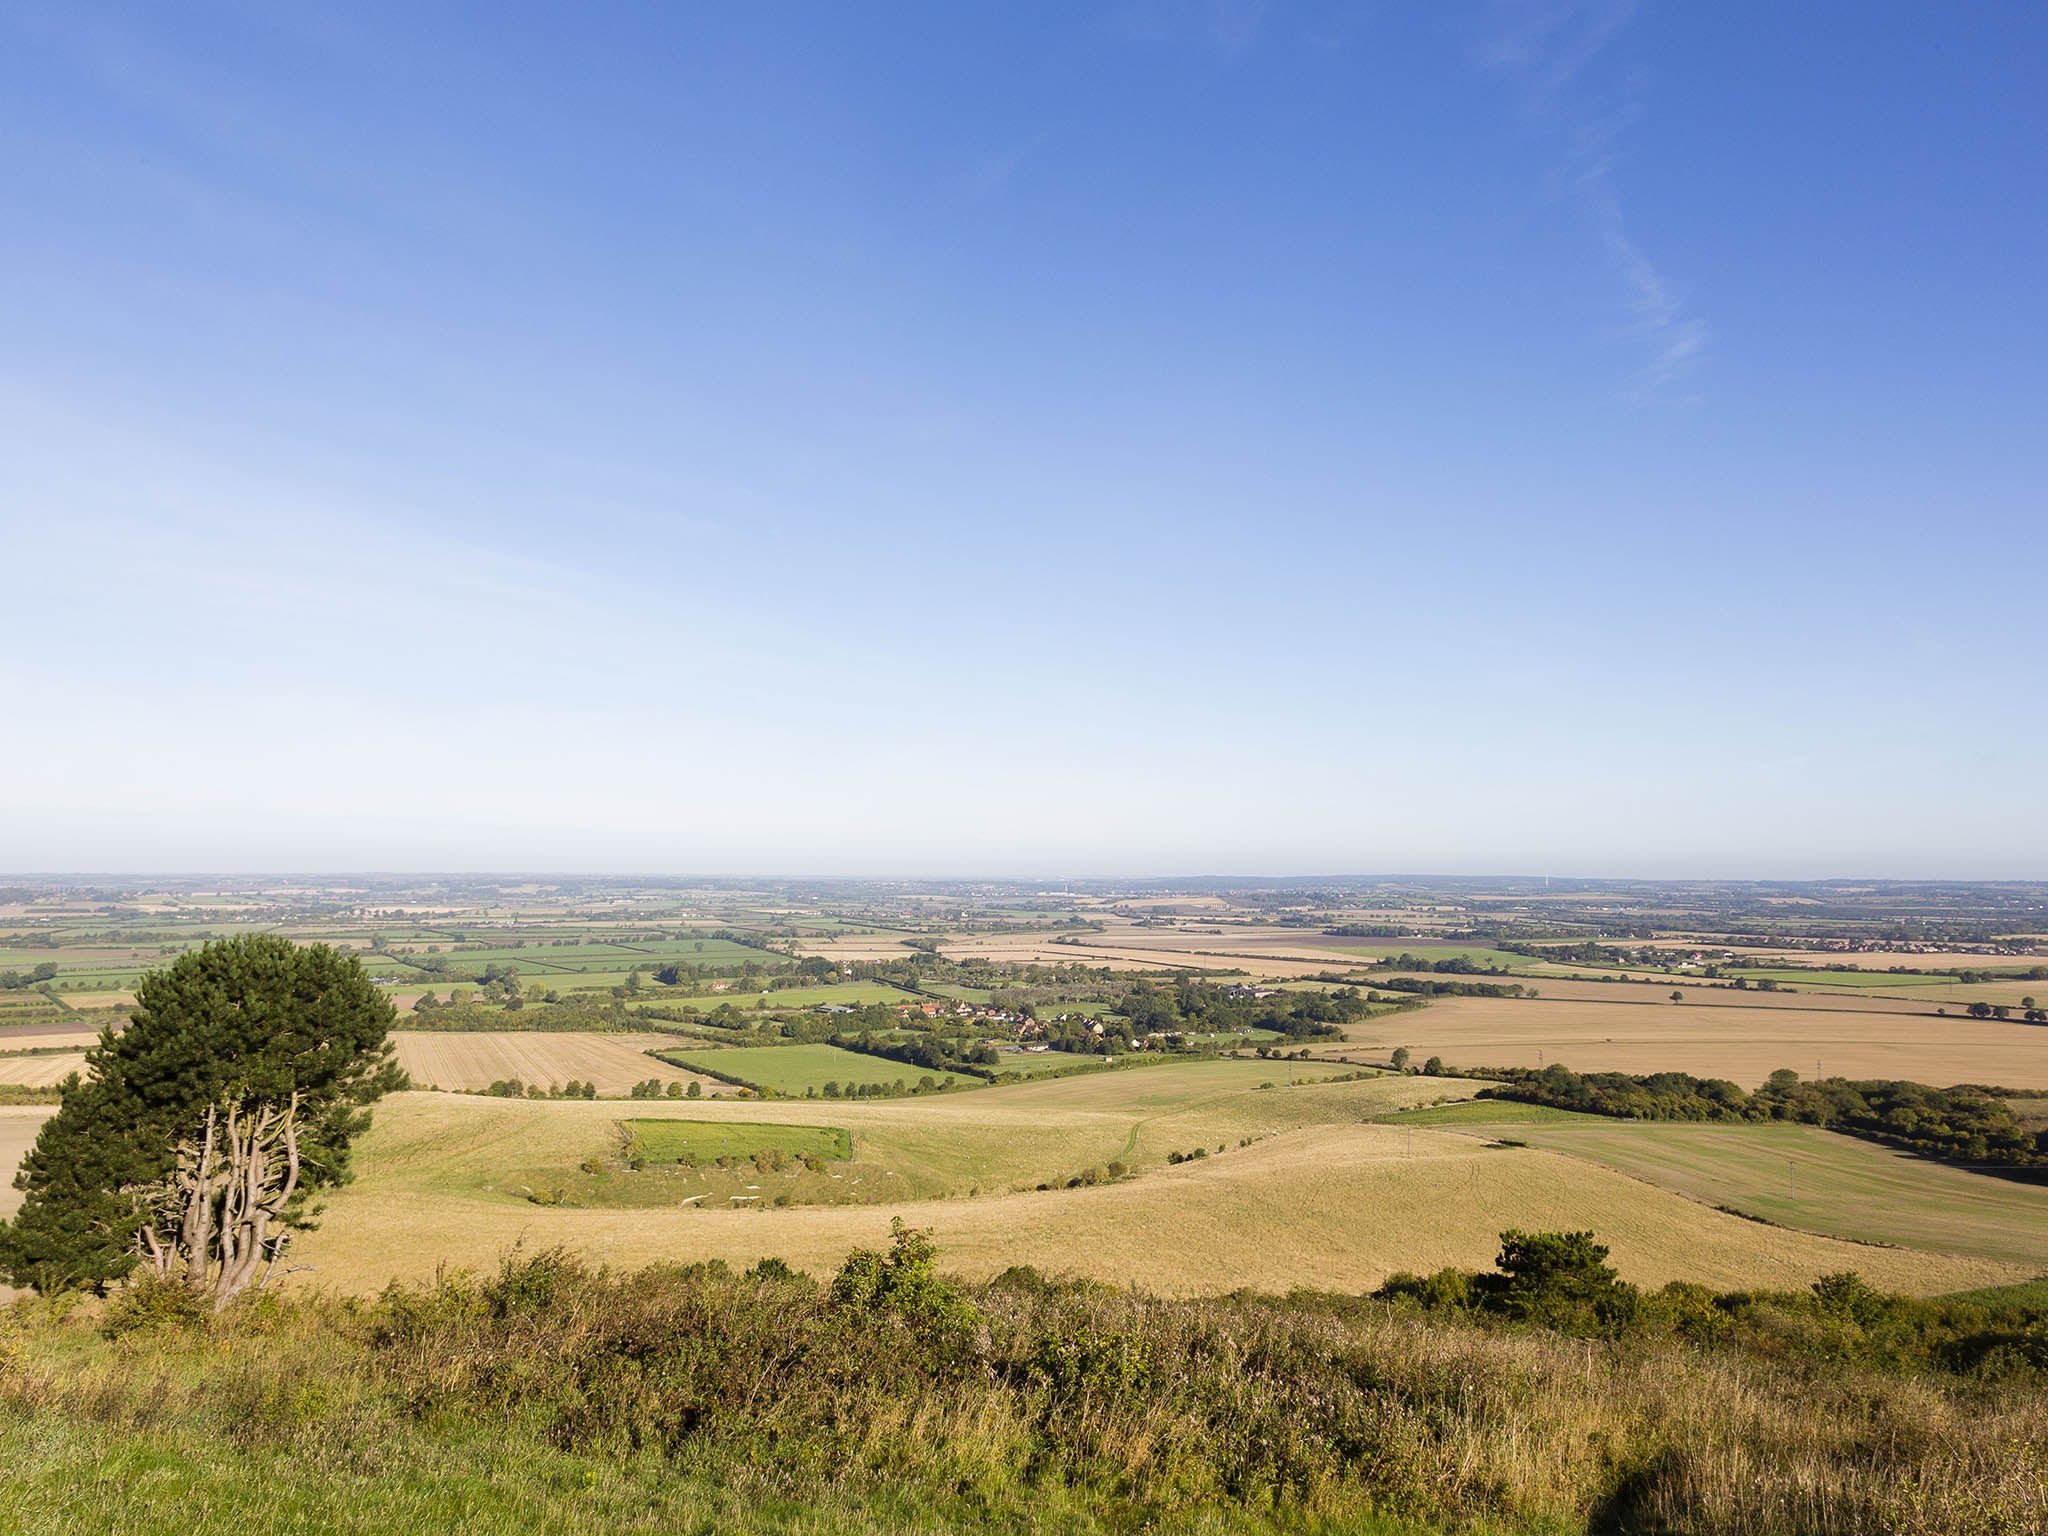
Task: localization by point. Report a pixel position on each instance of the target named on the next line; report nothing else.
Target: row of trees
(1964, 1124)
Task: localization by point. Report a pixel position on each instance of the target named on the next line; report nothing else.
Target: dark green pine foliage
(248, 1020)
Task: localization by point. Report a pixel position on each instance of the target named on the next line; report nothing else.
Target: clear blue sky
(1044, 438)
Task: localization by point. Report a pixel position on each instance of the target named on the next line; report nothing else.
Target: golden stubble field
(1832, 1037)
(476, 1059)
(1317, 1199)
(41, 1071)
(18, 1126)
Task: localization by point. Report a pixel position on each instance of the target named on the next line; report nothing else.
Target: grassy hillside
(551, 1397)
(1301, 1193)
(1818, 1180)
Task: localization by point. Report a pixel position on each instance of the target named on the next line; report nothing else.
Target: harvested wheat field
(615, 1062)
(1744, 1044)
(84, 1001)
(38, 1037)
(1336, 1204)
(43, 1071)
(18, 1126)
(1710, 994)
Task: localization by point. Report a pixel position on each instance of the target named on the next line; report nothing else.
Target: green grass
(565, 959)
(1422, 949)
(796, 1069)
(670, 1141)
(2028, 1293)
(1035, 1063)
(1489, 1112)
(1819, 1181)
(856, 993)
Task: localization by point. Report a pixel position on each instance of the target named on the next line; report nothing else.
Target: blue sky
(1045, 439)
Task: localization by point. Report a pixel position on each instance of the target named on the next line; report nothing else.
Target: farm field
(1863, 960)
(1707, 994)
(41, 1071)
(799, 1068)
(1023, 949)
(35, 1037)
(540, 957)
(83, 1001)
(1743, 1044)
(667, 1141)
(1036, 1063)
(1803, 1177)
(1488, 1115)
(18, 1126)
(1316, 1198)
(474, 1060)
(853, 993)
(1946, 991)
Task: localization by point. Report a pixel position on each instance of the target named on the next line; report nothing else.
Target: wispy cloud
(1553, 50)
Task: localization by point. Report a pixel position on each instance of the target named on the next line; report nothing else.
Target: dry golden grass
(41, 1071)
(1799, 1176)
(1318, 1199)
(615, 1062)
(1708, 994)
(70, 1037)
(1744, 1044)
(18, 1126)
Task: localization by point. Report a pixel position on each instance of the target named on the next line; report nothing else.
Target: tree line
(1970, 1124)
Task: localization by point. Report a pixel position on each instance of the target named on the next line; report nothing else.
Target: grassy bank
(552, 1396)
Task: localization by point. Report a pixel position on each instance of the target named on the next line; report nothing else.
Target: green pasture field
(1036, 1063)
(1487, 1112)
(2028, 1293)
(796, 1069)
(670, 1141)
(584, 956)
(855, 993)
(1797, 1176)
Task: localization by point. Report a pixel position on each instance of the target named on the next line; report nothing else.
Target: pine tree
(200, 1132)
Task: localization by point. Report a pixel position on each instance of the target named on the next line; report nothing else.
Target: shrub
(150, 1305)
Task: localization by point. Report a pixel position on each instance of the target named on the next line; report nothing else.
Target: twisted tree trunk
(228, 1199)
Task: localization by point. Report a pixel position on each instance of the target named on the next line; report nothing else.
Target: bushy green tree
(1548, 1276)
(250, 1056)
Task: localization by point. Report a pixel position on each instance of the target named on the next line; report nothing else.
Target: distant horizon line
(984, 878)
